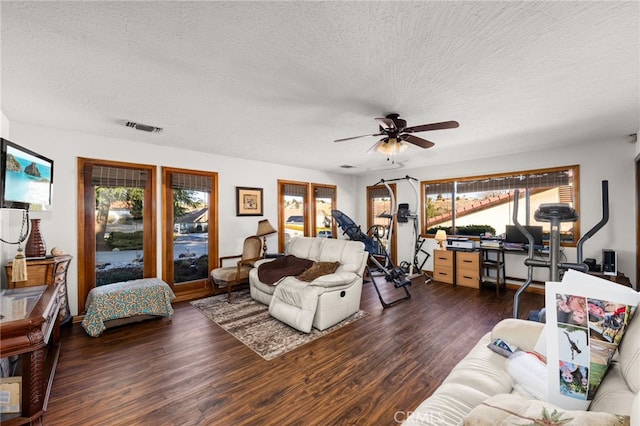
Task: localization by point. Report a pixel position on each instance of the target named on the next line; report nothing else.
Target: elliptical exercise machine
(555, 214)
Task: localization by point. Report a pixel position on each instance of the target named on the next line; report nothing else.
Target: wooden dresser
(50, 271)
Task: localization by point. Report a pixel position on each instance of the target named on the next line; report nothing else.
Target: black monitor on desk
(513, 235)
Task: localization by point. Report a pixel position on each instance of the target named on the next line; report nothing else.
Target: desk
(32, 334)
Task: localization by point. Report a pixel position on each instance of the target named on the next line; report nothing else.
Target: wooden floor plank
(189, 371)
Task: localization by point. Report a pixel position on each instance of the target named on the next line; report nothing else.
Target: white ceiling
(279, 81)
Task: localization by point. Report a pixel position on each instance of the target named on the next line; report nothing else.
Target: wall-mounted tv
(26, 178)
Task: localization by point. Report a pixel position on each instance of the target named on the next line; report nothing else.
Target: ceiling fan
(396, 135)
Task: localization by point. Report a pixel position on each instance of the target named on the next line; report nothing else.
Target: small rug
(250, 322)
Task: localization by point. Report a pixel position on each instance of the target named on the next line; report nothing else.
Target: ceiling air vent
(143, 127)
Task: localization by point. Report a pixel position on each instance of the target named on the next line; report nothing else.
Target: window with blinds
(378, 210)
(190, 243)
(305, 209)
(475, 205)
(324, 200)
(116, 224)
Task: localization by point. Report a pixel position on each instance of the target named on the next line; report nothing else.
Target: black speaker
(403, 212)
(591, 263)
(609, 262)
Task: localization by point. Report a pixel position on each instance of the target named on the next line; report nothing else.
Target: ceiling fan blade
(386, 123)
(422, 143)
(357, 137)
(376, 145)
(433, 126)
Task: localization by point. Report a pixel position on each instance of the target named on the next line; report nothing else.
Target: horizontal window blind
(379, 192)
(439, 188)
(191, 182)
(509, 183)
(295, 190)
(116, 177)
(322, 192)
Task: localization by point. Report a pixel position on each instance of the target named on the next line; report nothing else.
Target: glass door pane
(119, 243)
(324, 202)
(292, 217)
(190, 235)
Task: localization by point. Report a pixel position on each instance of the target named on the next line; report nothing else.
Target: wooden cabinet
(33, 337)
(457, 267)
(444, 266)
(468, 268)
(50, 271)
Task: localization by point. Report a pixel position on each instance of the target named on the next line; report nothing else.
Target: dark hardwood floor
(189, 371)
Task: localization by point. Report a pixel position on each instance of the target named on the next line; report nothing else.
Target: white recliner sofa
(479, 386)
(326, 300)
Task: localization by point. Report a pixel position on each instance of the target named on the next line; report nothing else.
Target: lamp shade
(441, 237)
(265, 228)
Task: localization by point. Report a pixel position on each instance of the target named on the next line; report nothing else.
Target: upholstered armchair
(229, 276)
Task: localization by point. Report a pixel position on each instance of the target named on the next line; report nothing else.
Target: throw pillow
(529, 374)
(513, 409)
(587, 318)
(318, 269)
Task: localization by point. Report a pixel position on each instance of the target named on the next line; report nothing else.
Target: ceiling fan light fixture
(392, 146)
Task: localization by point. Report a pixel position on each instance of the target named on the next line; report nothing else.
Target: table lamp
(265, 229)
(441, 237)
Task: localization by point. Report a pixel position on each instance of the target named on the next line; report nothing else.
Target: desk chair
(230, 276)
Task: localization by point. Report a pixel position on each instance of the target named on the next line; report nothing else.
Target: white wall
(59, 226)
(611, 160)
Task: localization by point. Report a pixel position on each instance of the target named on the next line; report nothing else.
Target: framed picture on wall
(248, 201)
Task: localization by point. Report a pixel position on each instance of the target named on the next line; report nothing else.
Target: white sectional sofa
(324, 301)
(480, 385)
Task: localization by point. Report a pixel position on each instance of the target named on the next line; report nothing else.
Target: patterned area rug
(250, 322)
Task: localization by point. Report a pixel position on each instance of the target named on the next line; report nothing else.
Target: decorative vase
(35, 244)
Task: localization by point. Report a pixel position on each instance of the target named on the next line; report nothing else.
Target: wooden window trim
(370, 218)
(197, 288)
(314, 212)
(576, 193)
(86, 224)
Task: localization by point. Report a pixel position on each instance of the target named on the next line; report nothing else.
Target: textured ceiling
(279, 81)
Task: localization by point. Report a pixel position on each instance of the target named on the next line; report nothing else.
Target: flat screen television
(27, 178)
(513, 235)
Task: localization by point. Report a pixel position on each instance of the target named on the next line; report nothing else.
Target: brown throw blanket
(272, 272)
